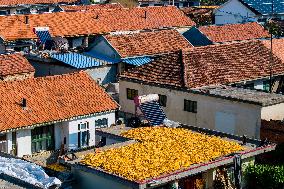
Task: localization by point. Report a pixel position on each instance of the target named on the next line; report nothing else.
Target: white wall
(24, 146)
(275, 112)
(247, 116)
(9, 142)
(233, 12)
(72, 140)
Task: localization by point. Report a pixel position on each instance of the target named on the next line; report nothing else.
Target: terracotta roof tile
(210, 65)
(234, 32)
(91, 7)
(92, 22)
(278, 47)
(148, 43)
(31, 2)
(165, 69)
(52, 98)
(11, 64)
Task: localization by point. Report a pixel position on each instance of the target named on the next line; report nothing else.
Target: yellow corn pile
(56, 167)
(160, 150)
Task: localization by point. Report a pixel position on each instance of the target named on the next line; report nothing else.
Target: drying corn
(160, 150)
(56, 167)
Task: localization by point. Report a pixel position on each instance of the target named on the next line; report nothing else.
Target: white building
(240, 11)
(42, 114)
(188, 87)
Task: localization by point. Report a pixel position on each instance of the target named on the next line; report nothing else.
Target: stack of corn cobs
(160, 150)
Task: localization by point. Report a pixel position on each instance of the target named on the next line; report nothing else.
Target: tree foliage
(265, 176)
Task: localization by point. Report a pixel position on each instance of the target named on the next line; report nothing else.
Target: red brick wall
(272, 130)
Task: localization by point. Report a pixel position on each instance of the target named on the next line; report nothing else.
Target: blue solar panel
(43, 36)
(153, 112)
(265, 7)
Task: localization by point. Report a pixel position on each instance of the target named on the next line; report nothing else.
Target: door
(225, 122)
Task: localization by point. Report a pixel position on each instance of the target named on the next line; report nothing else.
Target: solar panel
(153, 112)
(43, 36)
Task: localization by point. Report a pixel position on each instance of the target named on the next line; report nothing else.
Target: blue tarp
(77, 60)
(264, 6)
(138, 61)
(88, 60)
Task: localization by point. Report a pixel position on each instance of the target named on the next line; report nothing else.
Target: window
(131, 93)
(83, 134)
(42, 138)
(266, 85)
(190, 106)
(163, 100)
(100, 123)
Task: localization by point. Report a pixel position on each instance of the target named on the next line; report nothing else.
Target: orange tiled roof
(52, 98)
(148, 43)
(234, 32)
(11, 64)
(209, 65)
(31, 2)
(92, 22)
(91, 7)
(278, 47)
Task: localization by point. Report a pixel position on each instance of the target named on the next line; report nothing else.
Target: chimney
(26, 20)
(24, 103)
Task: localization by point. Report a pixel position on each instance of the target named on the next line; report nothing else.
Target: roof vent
(26, 20)
(145, 16)
(24, 103)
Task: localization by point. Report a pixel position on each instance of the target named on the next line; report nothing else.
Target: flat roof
(244, 95)
(250, 150)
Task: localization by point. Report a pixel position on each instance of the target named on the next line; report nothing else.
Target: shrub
(265, 176)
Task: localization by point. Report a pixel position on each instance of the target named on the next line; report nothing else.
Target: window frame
(266, 85)
(190, 106)
(101, 123)
(163, 99)
(85, 130)
(131, 93)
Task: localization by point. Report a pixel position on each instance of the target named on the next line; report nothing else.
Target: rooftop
(91, 7)
(209, 65)
(51, 99)
(160, 151)
(147, 43)
(243, 95)
(11, 64)
(97, 21)
(264, 6)
(31, 2)
(277, 47)
(234, 32)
